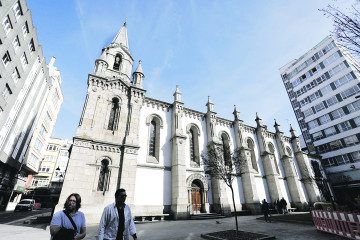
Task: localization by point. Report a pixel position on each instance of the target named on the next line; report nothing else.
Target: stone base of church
(180, 212)
(223, 209)
(300, 206)
(255, 208)
(150, 210)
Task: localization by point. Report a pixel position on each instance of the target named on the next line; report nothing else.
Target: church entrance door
(196, 197)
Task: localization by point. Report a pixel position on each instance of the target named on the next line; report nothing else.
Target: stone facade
(152, 149)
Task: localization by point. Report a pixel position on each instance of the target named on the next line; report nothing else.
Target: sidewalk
(187, 230)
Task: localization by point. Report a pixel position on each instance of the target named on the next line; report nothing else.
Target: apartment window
(43, 131)
(38, 145)
(330, 131)
(7, 24)
(342, 159)
(337, 113)
(308, 112)
(329, 162)
(25, 29)
(344, 126)
(64, 153)
(15, 75)
(320, 80)
(31, 46)
(313, 124)
(331, 101)
(314, 96)
(357, 121)
(323, 148)
(52, 147)
(17, 10)
(350, 92)
(24, 60)
(319, 107)
(355, 156)
(48, 118)
(33, 160)
(347, 78)
(351, 140)
(334, 145)
(325, 90)
(296, 82)
(6, 58)
(16, 42)
(304, 102)
(353, 107)
(6, 91)
(324, 119)
(49, 158)
(318, 135)
(331, 59)
(337, 69)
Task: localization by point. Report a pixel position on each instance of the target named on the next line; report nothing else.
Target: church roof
(121, 39)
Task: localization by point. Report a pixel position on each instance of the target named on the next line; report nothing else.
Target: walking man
(116, 222)
(61, 223)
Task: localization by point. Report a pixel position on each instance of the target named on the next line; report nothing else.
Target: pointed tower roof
(293, 132)
(277, 126)
(121, 39)
(139, 68)
(236, 114)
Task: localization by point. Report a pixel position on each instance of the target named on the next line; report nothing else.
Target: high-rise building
(153, 148)
(324, 89)
(25, 86)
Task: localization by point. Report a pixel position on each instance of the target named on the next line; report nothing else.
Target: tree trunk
(233, 199)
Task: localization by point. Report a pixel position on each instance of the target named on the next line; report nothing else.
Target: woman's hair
(78, 200)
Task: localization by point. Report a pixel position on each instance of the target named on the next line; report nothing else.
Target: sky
(229, 50)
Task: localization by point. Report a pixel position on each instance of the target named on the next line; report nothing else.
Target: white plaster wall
(165, 133)
(153, 187)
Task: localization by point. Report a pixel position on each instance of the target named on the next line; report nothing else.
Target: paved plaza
(184, 230)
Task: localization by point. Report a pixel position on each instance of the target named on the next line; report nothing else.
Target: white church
(152, 149)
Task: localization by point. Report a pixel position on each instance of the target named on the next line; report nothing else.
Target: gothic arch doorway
(198, 187)
(196, 198)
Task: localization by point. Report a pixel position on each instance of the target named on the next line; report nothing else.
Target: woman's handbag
(65, 233)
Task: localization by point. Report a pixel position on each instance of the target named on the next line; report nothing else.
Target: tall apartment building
(25, 86)
(324, 89)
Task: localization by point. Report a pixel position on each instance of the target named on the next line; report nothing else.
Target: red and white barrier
(339, 223)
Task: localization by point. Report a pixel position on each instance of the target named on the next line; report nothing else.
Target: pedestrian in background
(265, 209)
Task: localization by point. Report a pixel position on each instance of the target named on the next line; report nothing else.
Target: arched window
(152, 139)
(155, 123)
(226, 149)
(272, 150)
(193, 133)
(192, 150)
(103, 176)
(251, 146)
(114, 115)
(117, 62)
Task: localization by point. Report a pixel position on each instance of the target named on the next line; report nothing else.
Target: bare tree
(346, 28)
(223, 164)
